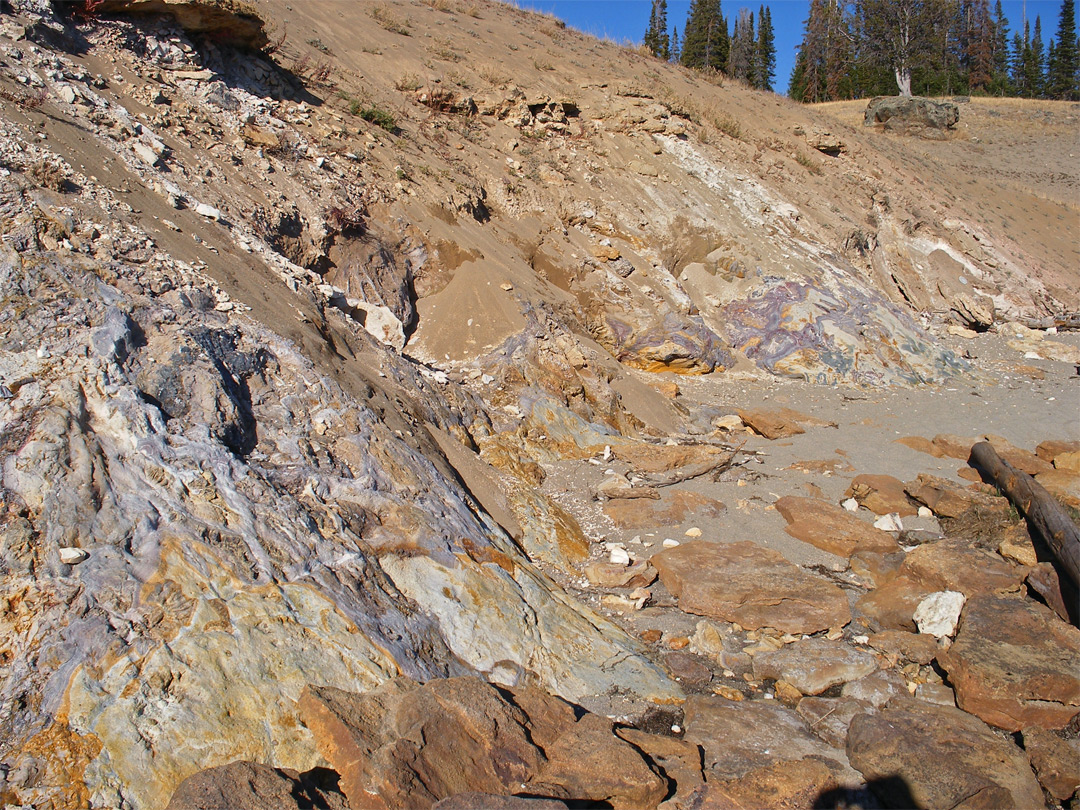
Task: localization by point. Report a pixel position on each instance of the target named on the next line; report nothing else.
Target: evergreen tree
(1065, 62)
(980, 48)
(1033, 65)
(823, 66)
(766, 51)
(1000, 77)
(705, 37)
(1021, 56)
(742, 54)
(656, 36)
(675, 50)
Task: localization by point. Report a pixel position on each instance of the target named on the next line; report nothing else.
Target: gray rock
(906, 113)
(739, 737)
(813, 665)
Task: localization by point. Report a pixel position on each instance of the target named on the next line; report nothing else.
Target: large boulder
(915, 754)
(408, 746)
(911, 114)
(251, 786)
(1014, 664)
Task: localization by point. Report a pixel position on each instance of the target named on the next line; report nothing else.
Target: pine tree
(705, 37)
(766, 51)
(823, 65)
(656, 36)
(1021, 55)
(742, 54)
(1033, 65)
(675, 50)
(980, 48)
(1000, 80)
(1065, 64)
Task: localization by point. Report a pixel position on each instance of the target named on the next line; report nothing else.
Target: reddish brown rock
(781, 786)
(891, 606)
(1056, 761)
(918, 754)
(779, 423)
(673, 508)
(922, 445)
(1052, 448)
(250, 786)
(404, 745)
(955, 565)
(1019, 458)
(1014, 663)
(876, 567)
(756, 587)
(954, 446)
(680, 761)
(948, 499)
(882, 495)
(687, 669)
(832, 528)
(904, 646)
(1063, 485)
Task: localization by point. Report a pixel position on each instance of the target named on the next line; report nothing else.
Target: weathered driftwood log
(1034, 503)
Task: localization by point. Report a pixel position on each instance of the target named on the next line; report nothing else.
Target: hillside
(347, 347)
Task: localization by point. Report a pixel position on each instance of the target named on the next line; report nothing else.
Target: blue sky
(626, 20)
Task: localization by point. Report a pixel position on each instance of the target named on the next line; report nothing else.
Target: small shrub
(729, 126)
(492, 75)
(318, 45)
(27, 99)
(471, 10)
(439, 5)
(807, 162)
(379, 117)
(408, 82)
(390, 21)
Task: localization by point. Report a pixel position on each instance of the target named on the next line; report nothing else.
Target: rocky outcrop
(231, 22)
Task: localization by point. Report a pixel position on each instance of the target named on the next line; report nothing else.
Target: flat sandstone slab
(832, 528)
(753, 586)
(1014, 663)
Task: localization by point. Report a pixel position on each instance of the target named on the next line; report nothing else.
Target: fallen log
(1036, 504)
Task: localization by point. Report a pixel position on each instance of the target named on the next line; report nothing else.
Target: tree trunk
(1036, 504)
(903, 80)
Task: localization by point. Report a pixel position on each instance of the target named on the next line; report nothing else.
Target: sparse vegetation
(807, 162)
(375, 115)
(390, 21)
(492, 75)
(408, 83)
(27, 99)
(318, 45)
(439, 5)
(728, 125)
